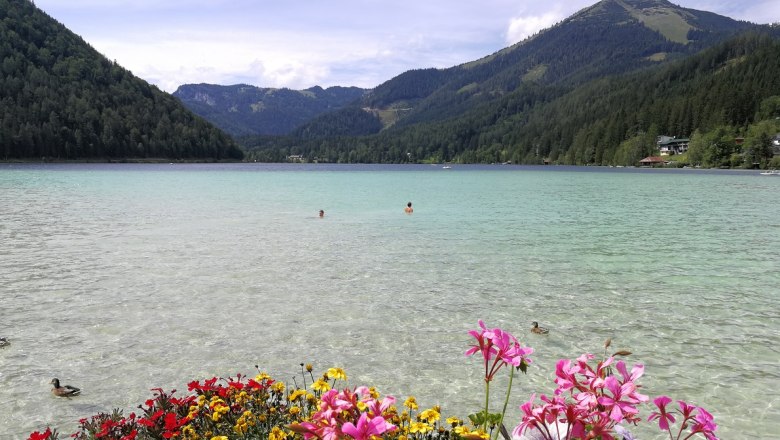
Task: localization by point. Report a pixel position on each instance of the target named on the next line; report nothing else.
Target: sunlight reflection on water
(120, 278)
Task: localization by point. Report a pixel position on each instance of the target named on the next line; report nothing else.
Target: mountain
(570, 94)
(61, 99)
(248, 110)
(609, 38)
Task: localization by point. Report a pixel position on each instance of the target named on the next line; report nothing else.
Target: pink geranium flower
(498, 348)
(664, 418)
(619, 403)
(704, 423)
(366, 428)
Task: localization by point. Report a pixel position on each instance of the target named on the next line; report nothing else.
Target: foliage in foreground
(589, 402)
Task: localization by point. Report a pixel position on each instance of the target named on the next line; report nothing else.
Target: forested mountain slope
(609, 120)
(609, 38)
(248, 110)
(61, 99)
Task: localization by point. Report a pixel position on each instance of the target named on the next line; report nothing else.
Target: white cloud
(523, 27)
(305, 43)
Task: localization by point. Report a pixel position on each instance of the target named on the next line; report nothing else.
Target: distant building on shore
(652, 161)
(669, 146)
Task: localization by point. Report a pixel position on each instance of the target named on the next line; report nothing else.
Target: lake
(118, 278)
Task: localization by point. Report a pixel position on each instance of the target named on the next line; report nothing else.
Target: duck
(65, 390)
(4, 342)
(538, 330)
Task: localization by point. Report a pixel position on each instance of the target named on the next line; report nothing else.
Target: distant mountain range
(594, 89)
(556, 93)
(242, 109)
(608, 38)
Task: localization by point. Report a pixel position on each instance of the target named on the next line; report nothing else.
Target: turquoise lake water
(119, 278)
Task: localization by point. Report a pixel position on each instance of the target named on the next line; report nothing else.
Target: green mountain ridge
(534, 101)
(607, 38)
(243, 109)
(60, 99)
(601, 40)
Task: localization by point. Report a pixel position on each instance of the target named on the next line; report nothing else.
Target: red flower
(208, 385)
(40, 435)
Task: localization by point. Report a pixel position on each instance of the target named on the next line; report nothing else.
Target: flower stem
(506, 400)
(487, 399)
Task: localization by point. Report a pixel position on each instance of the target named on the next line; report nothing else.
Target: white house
(669, 146)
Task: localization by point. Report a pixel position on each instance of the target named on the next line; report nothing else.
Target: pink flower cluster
(340, 416)
(597, 400)
(590, 402)
(697, 417)
(498, 349)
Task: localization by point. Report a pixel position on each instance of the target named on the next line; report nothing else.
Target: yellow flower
(420, 427)
(462, 430)
(430, 415)
(373, 393)
(276, 434)
(242, 398)
(320, 385)
(294, 410)
(188, 432)
(337, 373)
(482, 434)
(240, 428)
(411, 403)
(295, 395)
(278, 387)
(219, 437)
(262, 376)
(309, 368)
(454, 421)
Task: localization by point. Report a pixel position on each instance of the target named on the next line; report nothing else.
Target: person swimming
(322, 213)
(408, 208)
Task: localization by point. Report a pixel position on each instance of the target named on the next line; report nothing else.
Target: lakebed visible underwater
(120, 278)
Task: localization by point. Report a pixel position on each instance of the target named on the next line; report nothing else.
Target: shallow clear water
(121, 278)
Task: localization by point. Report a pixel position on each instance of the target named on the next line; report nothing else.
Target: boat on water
(446, 167)
(771, 173)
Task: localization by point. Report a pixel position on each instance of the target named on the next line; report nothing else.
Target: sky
(304, 43)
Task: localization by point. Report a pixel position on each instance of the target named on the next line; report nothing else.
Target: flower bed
(590, 401)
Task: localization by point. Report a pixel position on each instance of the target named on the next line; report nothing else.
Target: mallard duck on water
(538, 330)
(64, 390)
